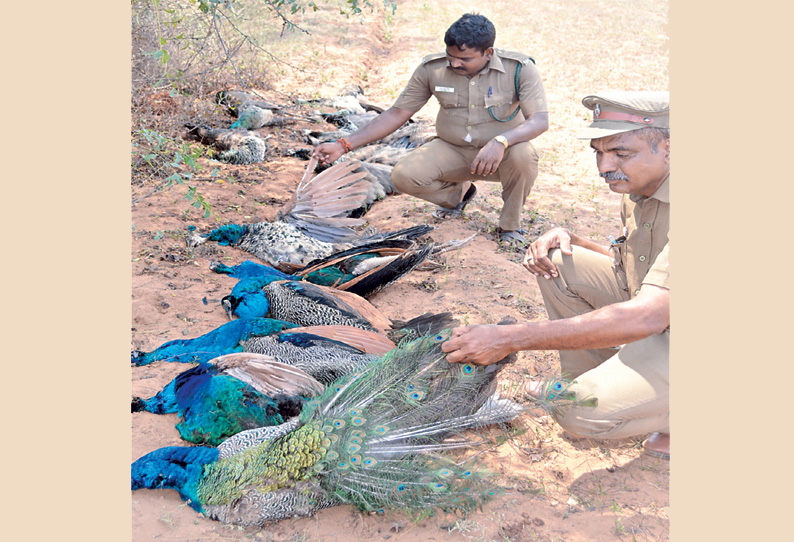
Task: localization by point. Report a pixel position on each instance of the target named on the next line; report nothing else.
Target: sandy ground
(557, 487)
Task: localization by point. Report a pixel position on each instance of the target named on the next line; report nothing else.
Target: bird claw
(452, 245)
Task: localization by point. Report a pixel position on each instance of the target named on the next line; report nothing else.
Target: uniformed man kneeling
(492, 104)
(609, 305)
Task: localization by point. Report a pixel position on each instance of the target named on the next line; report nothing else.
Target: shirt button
(472, 83)
(472, 106)
(468, 128)
(646, 225)
(642, 258)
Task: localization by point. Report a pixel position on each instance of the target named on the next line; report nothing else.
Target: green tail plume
(554, 394)
(372, 439)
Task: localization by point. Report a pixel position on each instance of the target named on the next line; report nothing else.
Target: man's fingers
(540, 263)
(565, 246)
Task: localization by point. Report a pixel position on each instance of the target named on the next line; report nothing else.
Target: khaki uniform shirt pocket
(502, 104)
(449, 100)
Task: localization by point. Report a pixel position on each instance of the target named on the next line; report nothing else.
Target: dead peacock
(263, 384)
(373, 440)
(246, 334)
(363, 270)
(308, 304)
(230, 394)
(315, 223)
(377, 159)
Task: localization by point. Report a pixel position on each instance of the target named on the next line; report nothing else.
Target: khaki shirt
(659, 274)
(463, 117)
(646, 222)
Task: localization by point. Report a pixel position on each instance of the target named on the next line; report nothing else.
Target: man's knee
(406, 178)
(556, 257)
(579, 423)
(520, 166)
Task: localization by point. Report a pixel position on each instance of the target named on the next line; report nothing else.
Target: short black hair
(653, 136)
(472, 31)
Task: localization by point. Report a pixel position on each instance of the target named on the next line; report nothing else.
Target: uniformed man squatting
(472, 81)
(601, 297)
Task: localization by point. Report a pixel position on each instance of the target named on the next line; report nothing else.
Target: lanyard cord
(490, 109)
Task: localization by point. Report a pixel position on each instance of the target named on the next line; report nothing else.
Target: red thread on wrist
(345, 145)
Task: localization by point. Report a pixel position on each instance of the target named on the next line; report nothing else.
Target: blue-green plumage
(221, 340)
(213, 406)
(373, 439)
(173, 467)
(228, 234)
(308, 304)
(362, 270)
(233, 393)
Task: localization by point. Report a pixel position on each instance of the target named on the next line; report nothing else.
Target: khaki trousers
(631, 382)
(434, 171)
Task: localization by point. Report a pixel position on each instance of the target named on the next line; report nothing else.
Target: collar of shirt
(494, 64)
(662, 193)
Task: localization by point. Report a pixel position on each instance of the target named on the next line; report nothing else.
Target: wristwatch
(503, 140)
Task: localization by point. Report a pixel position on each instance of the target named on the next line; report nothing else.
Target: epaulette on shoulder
(521, 57)
(434, 56)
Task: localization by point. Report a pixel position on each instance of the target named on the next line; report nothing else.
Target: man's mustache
(614, 176)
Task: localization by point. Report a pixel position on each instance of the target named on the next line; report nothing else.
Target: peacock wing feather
(367, 268)
(322, 204)
(364, 340)
(308, 304)
(267, 375)
(371, 278)
(324, 359)
(362, 307)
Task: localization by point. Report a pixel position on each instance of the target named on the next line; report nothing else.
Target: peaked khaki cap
(617, 111)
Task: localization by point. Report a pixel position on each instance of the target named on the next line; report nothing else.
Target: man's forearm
(529, 129)
(613, 325)
(584, 242)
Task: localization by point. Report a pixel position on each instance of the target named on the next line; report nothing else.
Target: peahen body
(230, 394)
(372, 439)
(250, 111)
(245, 334)
(237, 146)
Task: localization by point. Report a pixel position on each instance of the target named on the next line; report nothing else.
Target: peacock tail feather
(266, 467)
(554, 394)
(373, 439)
(384, 420)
